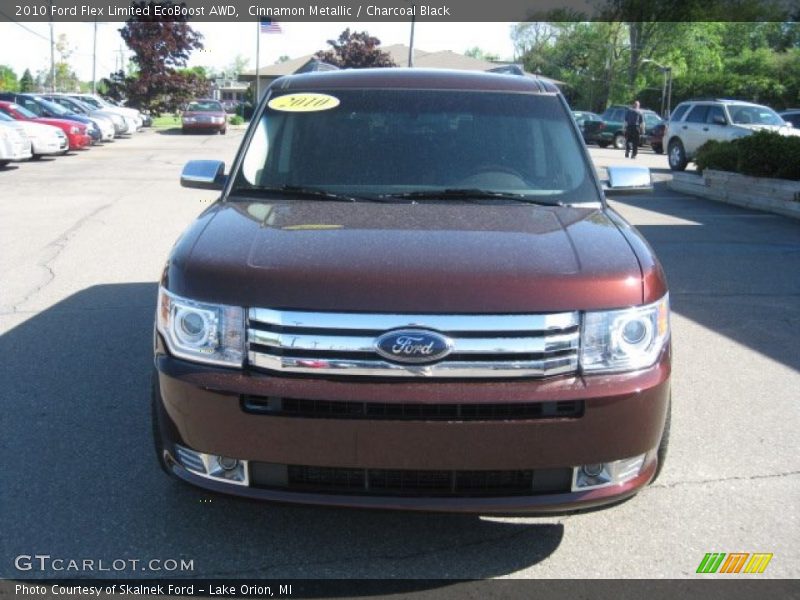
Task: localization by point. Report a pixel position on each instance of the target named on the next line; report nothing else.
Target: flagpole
(258, 56)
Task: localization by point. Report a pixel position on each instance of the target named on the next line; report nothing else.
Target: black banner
(399, 10)
(574, 589)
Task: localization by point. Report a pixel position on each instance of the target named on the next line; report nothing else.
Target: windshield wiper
(302, 191)
(469, 194)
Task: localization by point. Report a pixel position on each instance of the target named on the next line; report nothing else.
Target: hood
(61, 123)
(121, 110)
(782, 129)
(14, 127)
(460, 258)
(39, 130)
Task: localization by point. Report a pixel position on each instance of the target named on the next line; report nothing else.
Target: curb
(777, 196)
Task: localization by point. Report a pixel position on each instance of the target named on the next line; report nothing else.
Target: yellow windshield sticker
(303, 102)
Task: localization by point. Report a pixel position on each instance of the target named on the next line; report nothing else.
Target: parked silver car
(131, 115)
(695, 122)
(116, 121)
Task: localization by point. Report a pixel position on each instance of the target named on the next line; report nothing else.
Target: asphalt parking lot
(83, 239)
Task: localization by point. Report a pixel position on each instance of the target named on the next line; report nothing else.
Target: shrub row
(763, 154)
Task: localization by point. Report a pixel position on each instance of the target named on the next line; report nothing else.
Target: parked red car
(205, 115)
(75, 132)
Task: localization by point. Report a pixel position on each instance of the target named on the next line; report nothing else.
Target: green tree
(66, 80)
(26, 82)
(236, 66)
(160, 48)
(480, 54)
(8, 79)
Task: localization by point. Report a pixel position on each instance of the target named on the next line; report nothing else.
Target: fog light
(227, 464)
(211, 466)
(592, 470)
(598, 475)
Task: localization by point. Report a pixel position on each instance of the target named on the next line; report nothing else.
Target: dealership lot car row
(36, 125)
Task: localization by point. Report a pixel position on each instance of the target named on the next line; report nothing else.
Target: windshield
(5, 117)
(23, 111)
(89, 101)
(744, 114)
(392, 142)
(54, 108)
(204, 107)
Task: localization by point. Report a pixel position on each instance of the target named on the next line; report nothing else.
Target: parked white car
(695, 122)
(99, 103)
(14, 145)
(45, 139)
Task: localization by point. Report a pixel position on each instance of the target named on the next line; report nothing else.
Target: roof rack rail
(513, 69)
(315, 65)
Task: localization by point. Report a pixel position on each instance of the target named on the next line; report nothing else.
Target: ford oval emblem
(417, 346)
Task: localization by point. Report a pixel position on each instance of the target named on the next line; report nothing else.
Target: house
(229, 92)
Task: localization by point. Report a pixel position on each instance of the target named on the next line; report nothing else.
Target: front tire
(676, 155)
(619, 141)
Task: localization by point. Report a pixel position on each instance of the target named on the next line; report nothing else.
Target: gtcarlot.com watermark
(44, 563)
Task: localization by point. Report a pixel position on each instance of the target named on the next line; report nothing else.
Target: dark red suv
(412, 294)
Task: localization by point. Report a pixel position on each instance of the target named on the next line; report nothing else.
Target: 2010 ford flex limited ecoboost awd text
(412, 294)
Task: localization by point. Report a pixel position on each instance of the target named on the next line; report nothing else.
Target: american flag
(269, 26)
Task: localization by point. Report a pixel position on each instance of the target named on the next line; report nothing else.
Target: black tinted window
(715, 115)
(31, 105)
(697, 114)
(678, 113)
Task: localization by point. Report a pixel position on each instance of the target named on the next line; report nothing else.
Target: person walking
(634, 127)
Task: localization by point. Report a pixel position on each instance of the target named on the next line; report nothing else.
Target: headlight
(209, 333)
(188, 119)
(74, 130)
(624, 340)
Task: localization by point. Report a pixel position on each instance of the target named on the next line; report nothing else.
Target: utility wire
(46, 39)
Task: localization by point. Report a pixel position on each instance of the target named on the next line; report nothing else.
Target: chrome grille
(483, 346)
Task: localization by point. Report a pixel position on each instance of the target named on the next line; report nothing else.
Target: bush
(236, 120)
(763, 154)
(722, 156)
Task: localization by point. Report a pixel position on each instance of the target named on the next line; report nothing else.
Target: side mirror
(628, 180)
(204, 174)
(719, 120)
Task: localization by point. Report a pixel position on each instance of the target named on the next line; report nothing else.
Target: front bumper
(50, 145)
(79, 141)
(20, 150)
(203, 126)
(202, 408)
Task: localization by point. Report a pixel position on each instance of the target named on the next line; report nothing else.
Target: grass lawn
(166, 122)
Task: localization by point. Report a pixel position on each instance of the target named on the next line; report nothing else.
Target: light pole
(411, 40)
(666, 90)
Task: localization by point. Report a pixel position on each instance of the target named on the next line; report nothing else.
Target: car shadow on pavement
(734, 271)
(80, 477)
(171, 131)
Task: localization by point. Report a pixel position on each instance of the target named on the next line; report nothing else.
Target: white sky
(22, 48)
